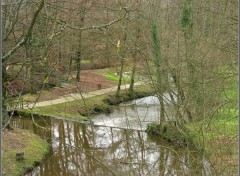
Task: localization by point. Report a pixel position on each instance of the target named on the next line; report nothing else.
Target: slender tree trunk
(132, 81)
(79, 52)
(78, 66)
(120, 77)
(160, 75)
(135, 54)
(122, 58)
(31, 66)
(5, 116)
(79, 58)
(70, 65)
(106, 50)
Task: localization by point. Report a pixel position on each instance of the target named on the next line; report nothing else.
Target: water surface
(83, 149)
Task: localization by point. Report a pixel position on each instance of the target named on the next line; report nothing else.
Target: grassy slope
(219, 137)
(18, 140)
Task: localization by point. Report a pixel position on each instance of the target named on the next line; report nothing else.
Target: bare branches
(28, 34)
(92, 27)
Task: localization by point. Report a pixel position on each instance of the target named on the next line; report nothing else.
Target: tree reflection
(79, 149)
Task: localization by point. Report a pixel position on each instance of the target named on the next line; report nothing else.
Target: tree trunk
(160, 84)
(78, 66)
(31, 71)
(132, 77)
(122, 58)
(5, 116)
(79, 51)
(120, 77)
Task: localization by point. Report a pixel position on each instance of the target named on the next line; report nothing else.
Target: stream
(115, 144)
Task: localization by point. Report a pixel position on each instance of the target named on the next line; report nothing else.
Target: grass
(33, 97)
(85, 61)
(19, 140)
(110, 74)
(219, 139)
(54, 111)
(79, 110)
(219, 136)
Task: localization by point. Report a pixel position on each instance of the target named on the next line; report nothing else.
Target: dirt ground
(13, 140)
(90, 81)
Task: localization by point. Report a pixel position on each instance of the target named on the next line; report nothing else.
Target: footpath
(76, 96)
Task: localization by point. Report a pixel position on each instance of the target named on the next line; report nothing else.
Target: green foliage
(186, 18)
(156, 50)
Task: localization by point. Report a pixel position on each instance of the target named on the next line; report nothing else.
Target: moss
(38, 112)
(126, 95)
(171, 133)
(18, 140)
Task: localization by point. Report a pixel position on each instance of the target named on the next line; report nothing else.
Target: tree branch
(24, 40)
(92, 27)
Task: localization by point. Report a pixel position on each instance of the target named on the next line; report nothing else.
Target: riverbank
(218, 141)
(82, 109)
(216, 137)
(18, 141)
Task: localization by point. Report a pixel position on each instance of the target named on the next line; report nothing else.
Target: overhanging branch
(92, 27)
(28, 34)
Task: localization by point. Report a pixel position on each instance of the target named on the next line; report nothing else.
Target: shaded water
(95, 150)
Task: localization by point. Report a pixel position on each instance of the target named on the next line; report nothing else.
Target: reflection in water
(80, 149)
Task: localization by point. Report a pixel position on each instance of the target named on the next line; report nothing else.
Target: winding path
(76, 96)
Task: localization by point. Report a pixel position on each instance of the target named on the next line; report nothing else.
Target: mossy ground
(18, 140)
(170, 133)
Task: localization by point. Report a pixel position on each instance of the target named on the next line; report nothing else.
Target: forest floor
(90, 81)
